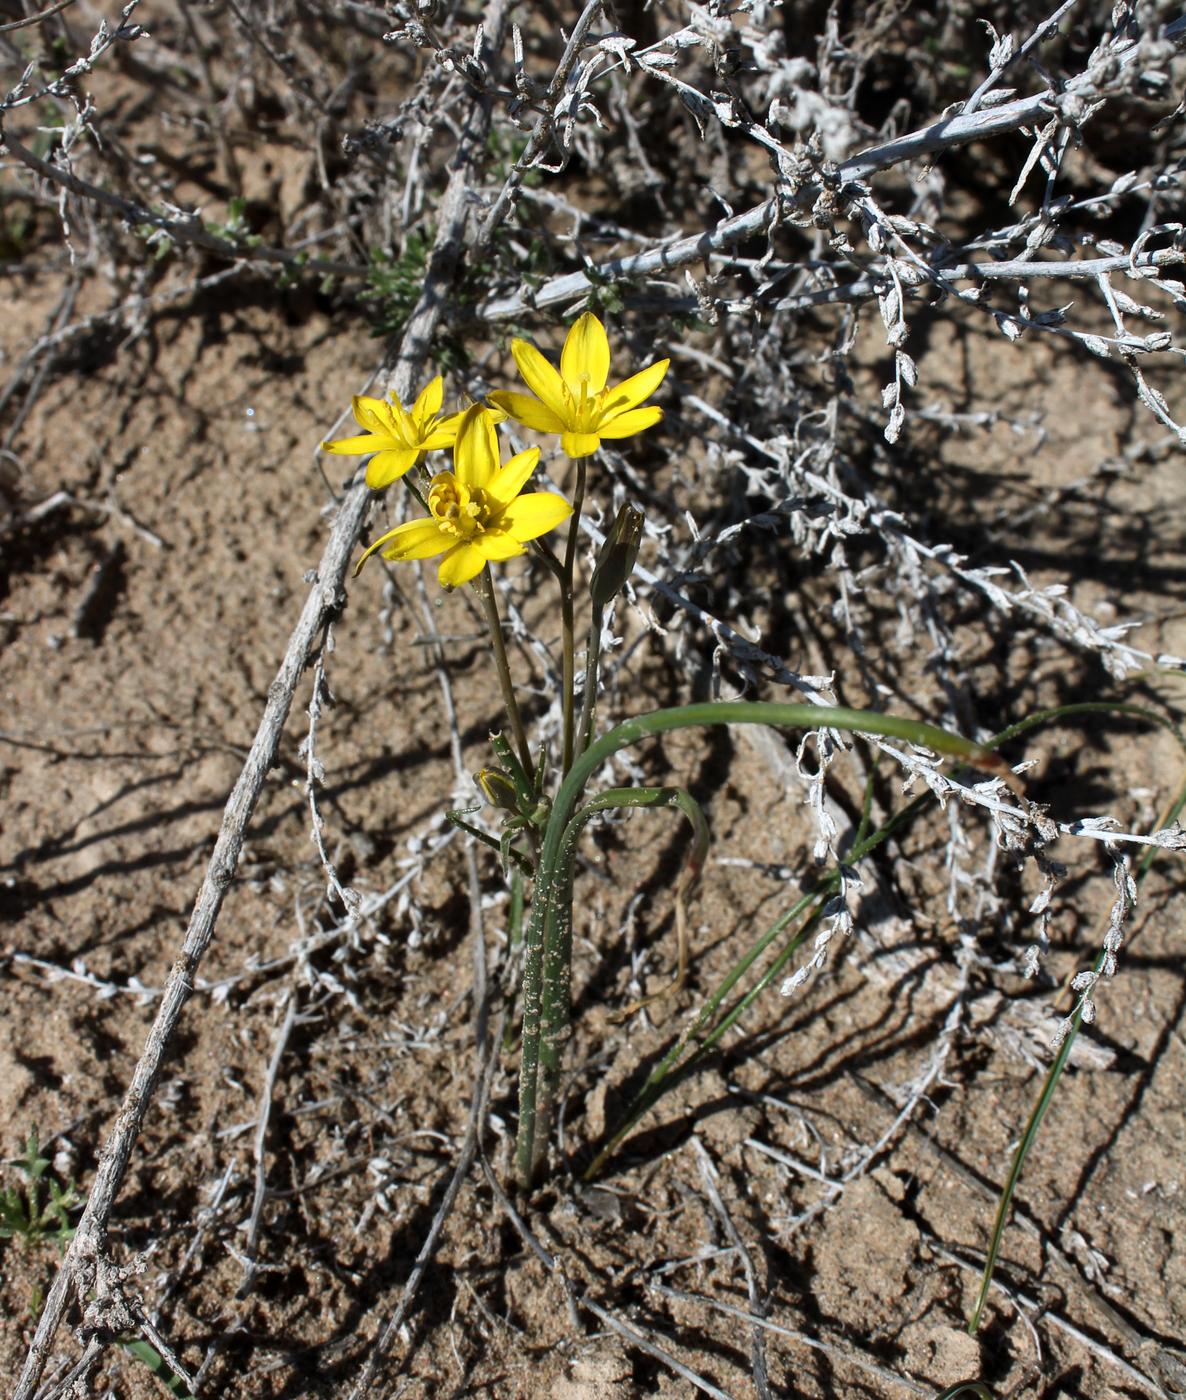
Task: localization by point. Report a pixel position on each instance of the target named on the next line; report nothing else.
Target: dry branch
(324, 601)
(937, 136)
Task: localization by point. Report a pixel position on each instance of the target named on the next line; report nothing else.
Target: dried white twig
(324, 599)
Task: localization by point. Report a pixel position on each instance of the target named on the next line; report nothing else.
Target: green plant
(394, 282)
(17, 224)
(478, 515)
(547, 972)
(235, 228)
(28, 1214)
(157, 239)
(506, 150)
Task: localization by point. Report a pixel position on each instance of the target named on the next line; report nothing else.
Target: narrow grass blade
(1044, 1099)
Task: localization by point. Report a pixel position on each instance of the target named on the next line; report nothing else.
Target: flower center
(457, 510)
(586, 404)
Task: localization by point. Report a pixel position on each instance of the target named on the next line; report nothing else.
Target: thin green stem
(545, 552)
(514, 947)
(1046, 1094)
(566, 613)
(484, 587)
(556, 1007)
(410, 483)
(516, 858)
(592, 664)
(1054, 1073)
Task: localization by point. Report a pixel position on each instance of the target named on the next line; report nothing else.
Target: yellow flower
(396, 436)
(574, 401)
(476, 514)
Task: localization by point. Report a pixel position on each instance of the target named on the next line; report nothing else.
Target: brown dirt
(125, 728)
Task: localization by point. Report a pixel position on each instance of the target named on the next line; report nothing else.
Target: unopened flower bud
(497, 788)
(619, 554)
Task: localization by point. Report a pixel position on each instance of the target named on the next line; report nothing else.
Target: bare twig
(837, 1350)
(632, 1335)
(1019, 1296)
(1015, 56)
(15, 24)
(543, 126)
(261, 1142)
(929, 140)
(488, 1038)
(324, 600)
(708, 1175)
(186, 230)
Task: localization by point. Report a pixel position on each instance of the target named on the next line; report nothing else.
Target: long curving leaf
(547, 967)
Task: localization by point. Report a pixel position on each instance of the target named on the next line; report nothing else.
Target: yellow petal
(428, 404)
(498, 545)
(418, 539)
(528, 411)
(504, 487)
(374, 548)
(463, 562)
(633, 391)
(475, 453)
(386, 467)
(634, 420)
(443, 435)
(373, 414)
(580, 444)
(405, 430)
(585, 356)
(528, 517)
(358, 446)
(542, 379)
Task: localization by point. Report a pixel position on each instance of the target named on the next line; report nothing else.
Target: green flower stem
(1054, 1073)
(556, 1011)
(484, 588)
(410, 483)
(514, 947)
(592, 665)
(516, 858)
(1038, 1112)
(546, 973)
(566, 612)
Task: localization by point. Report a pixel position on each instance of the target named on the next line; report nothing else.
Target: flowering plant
(479, 514)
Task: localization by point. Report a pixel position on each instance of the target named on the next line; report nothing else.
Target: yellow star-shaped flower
(575, 402)
(396, 435)
(476, 514)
